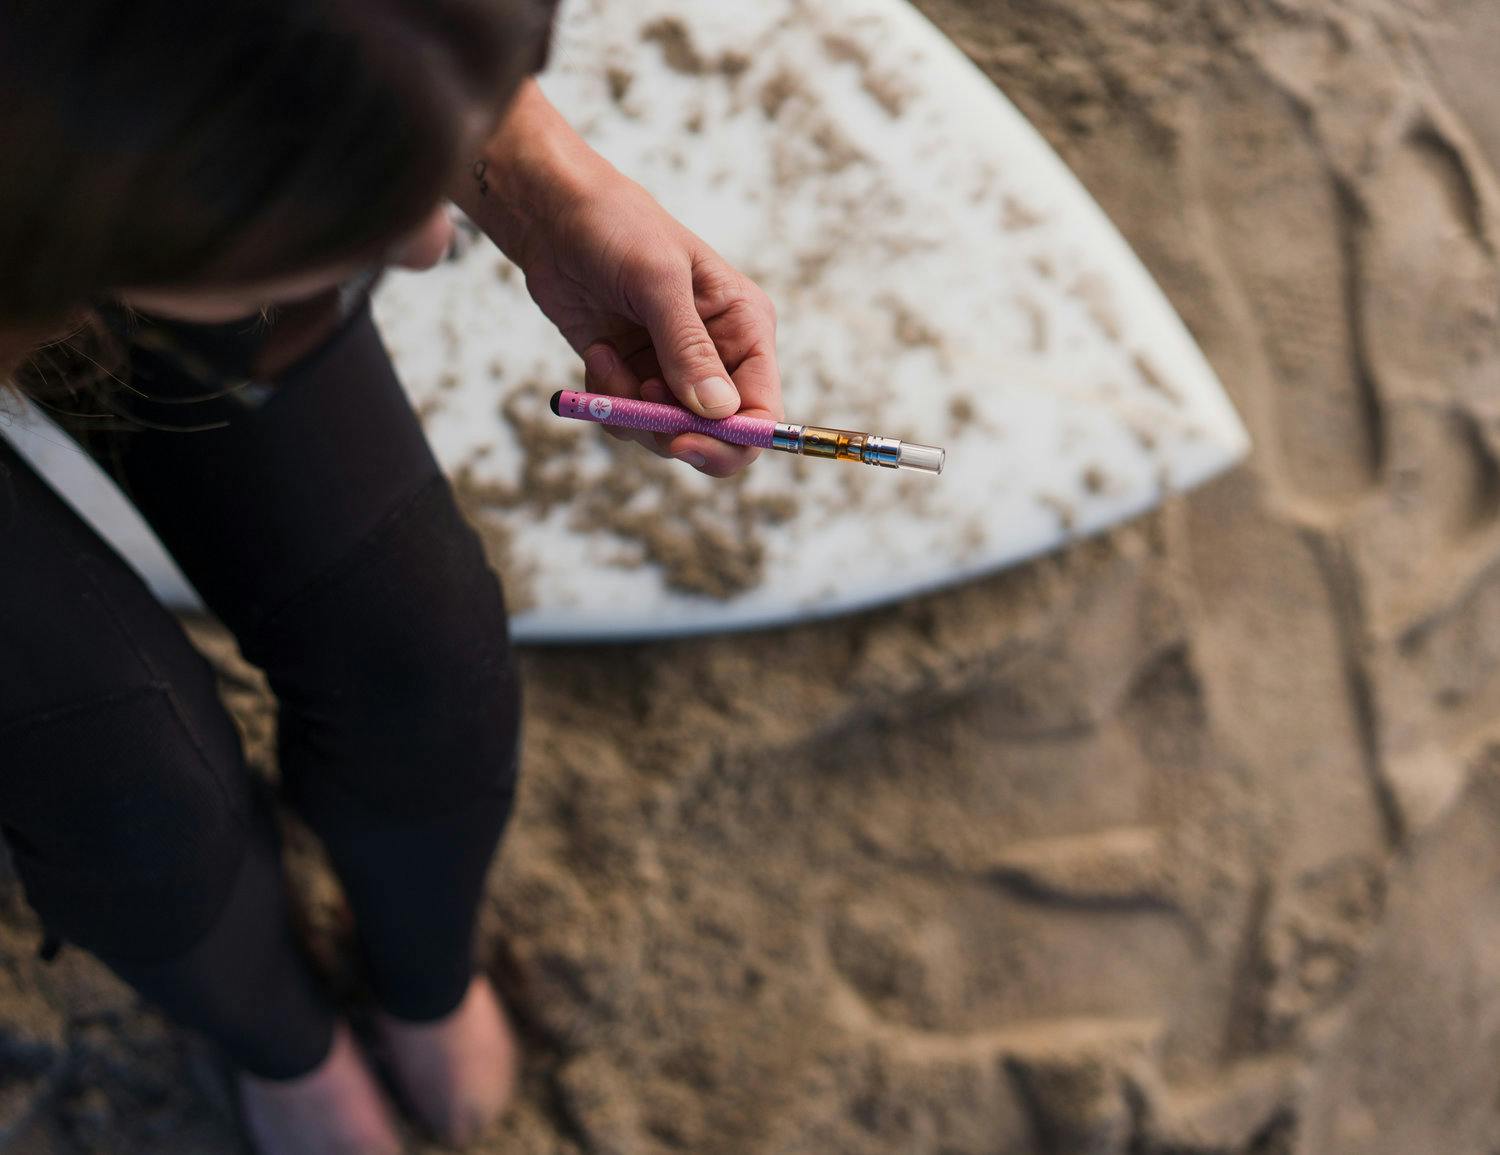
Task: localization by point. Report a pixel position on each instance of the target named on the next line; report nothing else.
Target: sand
(1184, 841)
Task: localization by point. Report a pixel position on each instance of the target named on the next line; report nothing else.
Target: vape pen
(808, 440)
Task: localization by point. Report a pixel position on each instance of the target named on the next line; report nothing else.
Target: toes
(458, 1075)
(336, 1109)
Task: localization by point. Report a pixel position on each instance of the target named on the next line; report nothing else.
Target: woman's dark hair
(148, 143)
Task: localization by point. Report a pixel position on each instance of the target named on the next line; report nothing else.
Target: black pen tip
(557, 403)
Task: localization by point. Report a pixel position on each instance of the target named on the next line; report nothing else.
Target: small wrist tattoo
(479, 169)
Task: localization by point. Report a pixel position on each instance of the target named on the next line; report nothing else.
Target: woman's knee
(127, 819)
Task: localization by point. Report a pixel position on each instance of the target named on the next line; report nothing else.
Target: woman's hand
(658, 314)
(653, 311)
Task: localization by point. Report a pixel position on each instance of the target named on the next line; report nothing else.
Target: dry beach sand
(1183, 842)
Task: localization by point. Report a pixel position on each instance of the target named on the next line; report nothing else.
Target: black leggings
(319, 529)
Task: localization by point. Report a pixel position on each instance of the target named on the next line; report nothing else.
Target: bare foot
(458, 1074)
(335, 1109)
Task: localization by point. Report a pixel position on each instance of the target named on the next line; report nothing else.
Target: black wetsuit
(309, 513)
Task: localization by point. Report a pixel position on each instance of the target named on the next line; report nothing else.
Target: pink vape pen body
(633, 413)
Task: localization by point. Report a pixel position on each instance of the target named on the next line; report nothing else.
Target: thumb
(690, 362)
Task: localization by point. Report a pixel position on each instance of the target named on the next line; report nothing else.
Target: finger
(745, 333)
(634, 348)
(708, 455)
(644, 365)
(689, 361)
(655, 389)
(604, 371)
(621, 433)
(758, 380)
(642, 437)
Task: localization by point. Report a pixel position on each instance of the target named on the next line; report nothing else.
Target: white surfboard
(940, 276)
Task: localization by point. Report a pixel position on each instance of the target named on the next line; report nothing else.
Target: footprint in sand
(1284, 229)
(1042, 971)
(1429, 255)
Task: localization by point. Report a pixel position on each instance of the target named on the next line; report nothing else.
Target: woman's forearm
(529, 170)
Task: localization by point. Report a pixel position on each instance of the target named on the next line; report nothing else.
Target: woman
(193, 201)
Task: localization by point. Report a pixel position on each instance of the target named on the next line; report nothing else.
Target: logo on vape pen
(600, 407)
